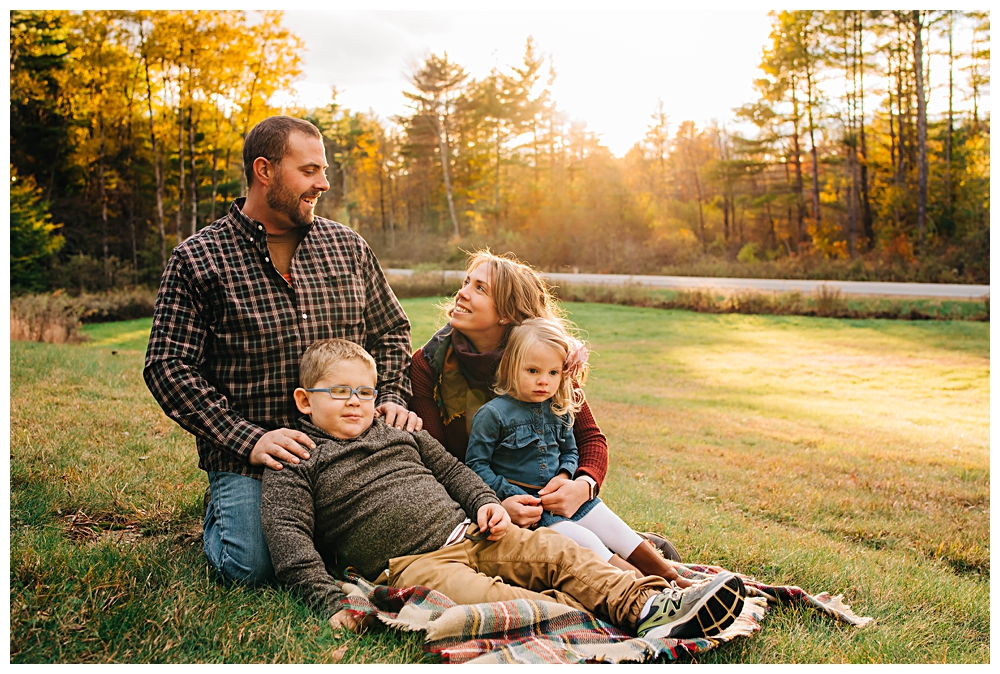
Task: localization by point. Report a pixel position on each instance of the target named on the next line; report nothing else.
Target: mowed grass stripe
(849, 456)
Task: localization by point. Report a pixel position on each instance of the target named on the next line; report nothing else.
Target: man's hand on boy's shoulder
(281, 444)
(398, 416)
(494, 518)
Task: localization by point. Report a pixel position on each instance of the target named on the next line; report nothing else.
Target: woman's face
(475, 314)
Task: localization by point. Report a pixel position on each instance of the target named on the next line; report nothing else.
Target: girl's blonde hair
(568, 399)
(519, 292)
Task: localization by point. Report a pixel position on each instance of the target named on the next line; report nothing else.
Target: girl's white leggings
(602, 531)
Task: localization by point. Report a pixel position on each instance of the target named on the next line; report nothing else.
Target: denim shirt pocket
(518, 437)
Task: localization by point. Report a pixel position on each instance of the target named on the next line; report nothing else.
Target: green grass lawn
(848, 456)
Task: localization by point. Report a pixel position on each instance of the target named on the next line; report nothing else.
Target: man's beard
(281, 200)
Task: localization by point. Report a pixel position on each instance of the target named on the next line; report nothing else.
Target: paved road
(951, 291)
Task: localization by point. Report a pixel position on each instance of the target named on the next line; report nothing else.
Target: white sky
(611, 66)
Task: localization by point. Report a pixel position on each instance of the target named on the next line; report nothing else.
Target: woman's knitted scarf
(463, 377)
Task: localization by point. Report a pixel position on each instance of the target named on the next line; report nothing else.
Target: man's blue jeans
(234, 540)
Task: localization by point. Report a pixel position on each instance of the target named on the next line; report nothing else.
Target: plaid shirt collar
(253, 230)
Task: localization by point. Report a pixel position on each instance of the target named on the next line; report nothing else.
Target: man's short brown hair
(269, 139)
(323, 355)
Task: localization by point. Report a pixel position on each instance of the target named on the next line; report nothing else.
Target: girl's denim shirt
(522, 442)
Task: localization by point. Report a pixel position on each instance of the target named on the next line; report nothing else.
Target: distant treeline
(126, 132)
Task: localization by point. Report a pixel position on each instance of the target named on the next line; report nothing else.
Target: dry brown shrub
(53, 319)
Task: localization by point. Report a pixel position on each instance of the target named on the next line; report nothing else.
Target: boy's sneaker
(699, 611)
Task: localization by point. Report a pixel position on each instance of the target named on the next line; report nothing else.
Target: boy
(403, 511)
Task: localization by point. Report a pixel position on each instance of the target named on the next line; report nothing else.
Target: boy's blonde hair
(323, 355)
(552, 333)
(518, 291)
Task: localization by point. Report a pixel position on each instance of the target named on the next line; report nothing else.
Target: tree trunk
(104, 203)
(951, 115)
(343, 188)
(850, 90)
(727, 196)
(194, 176)
(246, 120)
(180, 177)
(496, 186)
(974, 79)
(135, 251)
(392, 211)
(156, 158)
(725, 218)
(866, 207)
(812, 143)
(441, 126)
(215, 181)
(770, 220)
(799, 186)
(381, 191)
(697, 188)
(921, 127)
(902, 113)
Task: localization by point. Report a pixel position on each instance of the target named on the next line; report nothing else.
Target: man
(238, 304)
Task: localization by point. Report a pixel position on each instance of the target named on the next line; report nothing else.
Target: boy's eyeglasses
(345, 392)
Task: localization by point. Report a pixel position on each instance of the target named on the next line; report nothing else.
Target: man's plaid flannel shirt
(228, 330)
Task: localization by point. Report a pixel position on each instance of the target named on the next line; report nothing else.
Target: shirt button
(267, 259)
(260, 227)
(251, 239)
(305, 316)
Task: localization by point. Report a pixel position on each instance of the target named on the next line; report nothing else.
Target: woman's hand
(524, 509)
(563, 496)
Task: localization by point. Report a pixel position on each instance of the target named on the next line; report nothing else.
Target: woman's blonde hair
(518, 291)
(568, 399)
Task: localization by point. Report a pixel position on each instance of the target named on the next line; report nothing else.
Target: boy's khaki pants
(525, 564)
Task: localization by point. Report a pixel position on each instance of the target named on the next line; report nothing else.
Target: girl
(523, 440)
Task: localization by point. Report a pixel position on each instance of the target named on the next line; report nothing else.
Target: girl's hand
(493, 518)
(524, 509)
(563, 496)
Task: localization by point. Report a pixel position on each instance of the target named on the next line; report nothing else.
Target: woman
(452, 377)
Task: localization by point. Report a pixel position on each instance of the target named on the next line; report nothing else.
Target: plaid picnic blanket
(526, 631)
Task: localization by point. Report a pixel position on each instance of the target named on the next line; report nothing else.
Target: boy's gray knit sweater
(361, 502)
